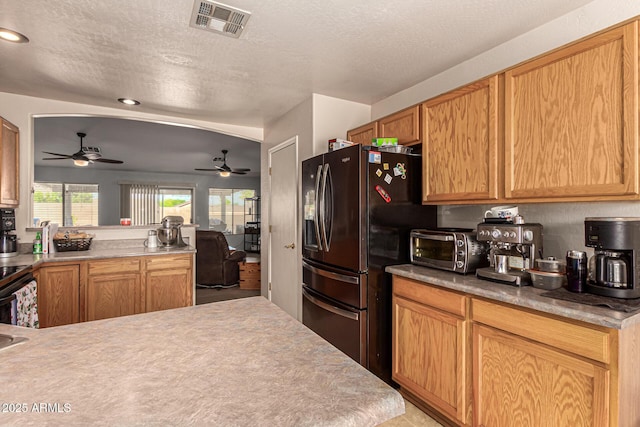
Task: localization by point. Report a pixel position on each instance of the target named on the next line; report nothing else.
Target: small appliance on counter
(170, 234)
(451, 249)
(8, 240)
(614, 270)
(513, 246)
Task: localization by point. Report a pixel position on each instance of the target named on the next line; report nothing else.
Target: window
(65, 204)
(226, 209)
(149, 203)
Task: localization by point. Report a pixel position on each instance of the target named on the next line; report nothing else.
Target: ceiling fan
(225, 170)
(84, 156)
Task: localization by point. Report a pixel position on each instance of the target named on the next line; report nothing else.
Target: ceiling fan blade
(210, 170)
(102, 160)
(241, 170)
(62, 156)
(56, 158)
(236, 172)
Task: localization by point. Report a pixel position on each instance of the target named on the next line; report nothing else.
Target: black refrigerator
(360, 205)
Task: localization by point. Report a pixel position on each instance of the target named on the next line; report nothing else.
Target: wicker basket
(66, 245)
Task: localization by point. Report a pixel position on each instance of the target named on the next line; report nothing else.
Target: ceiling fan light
(12, 36)
(225, 174)
(80, 162)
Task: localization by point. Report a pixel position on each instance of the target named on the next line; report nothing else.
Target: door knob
(291, 246)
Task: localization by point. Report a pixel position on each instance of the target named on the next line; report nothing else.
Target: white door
(284, 250)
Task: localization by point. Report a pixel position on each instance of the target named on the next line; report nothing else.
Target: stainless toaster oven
(451, 249)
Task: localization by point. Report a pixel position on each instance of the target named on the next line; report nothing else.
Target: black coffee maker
(614, 270)
(8, 240)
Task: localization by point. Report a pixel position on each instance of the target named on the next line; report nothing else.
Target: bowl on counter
(547, 280)
(550, 265)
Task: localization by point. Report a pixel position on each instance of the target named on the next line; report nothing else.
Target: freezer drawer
(342, 326)
(345, 286)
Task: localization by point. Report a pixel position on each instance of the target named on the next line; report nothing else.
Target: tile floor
(413, 417)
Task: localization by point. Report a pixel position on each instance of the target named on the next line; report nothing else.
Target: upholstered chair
(216, 264)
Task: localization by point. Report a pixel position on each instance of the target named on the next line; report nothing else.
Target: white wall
(20, 110)
(314, 121)
(333, 117)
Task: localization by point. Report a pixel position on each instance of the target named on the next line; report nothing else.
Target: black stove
(9, 271)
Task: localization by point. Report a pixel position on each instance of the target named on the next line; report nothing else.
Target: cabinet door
(429, 356)
(519, 382)
(59, 295)
(113, 295)
(9, 164)
(571, 120)
(167, 289)
(363, 134)
(404, 125)
(460, 144)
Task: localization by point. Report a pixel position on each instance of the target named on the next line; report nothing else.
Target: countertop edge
(526, 296)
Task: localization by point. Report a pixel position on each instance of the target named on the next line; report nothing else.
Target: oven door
(434, 250)
(343, 326)
(6, 307)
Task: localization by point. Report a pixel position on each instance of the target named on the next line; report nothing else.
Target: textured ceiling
(94, 52)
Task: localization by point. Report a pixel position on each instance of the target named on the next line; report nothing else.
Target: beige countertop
(233, 363)
(114, 250)
(526, 296)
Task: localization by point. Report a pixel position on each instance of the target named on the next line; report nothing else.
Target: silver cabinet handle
(317, 207)
(331, 275)
(291, 246)
(330, 308)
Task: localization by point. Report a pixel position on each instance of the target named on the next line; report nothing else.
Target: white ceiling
(94, 52)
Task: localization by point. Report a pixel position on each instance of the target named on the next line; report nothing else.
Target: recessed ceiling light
(12, 36)
(128, 101)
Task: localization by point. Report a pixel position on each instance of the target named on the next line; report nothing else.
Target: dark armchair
(216, 265)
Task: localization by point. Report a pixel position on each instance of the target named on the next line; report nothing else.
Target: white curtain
(140, 203)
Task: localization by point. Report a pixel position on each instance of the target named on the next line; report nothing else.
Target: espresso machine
(614, 269)
(170, 234)
(512, 248)
(8, 240)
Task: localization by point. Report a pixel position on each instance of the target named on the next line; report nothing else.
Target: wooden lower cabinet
(106, 288)
(114, 288)
(58, 294)
(519, 382)
(168, 282)
(486, 363)
(430, 347)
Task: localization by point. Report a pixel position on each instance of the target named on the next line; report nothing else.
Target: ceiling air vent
(219, 18)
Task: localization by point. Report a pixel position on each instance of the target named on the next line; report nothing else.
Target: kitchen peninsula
(233, 363)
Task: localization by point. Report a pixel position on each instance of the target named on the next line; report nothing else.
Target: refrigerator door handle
(316, 214)
(331, 275)
(331, 308)
(325, 239)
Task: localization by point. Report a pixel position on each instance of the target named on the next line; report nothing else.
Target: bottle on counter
(37, 243)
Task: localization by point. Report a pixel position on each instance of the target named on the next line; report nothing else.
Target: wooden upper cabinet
(571, 120)
(404, 125)
(9, 164)
(364, 134)
(460, 144)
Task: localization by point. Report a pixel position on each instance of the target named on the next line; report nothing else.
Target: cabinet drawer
(165, 262)
(592, 343)
(118, 265)
(423, 293)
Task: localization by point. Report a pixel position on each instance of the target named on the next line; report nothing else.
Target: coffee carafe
(8, 240)
(613, 269)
